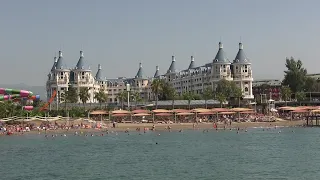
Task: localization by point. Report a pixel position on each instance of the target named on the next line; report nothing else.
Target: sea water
(287, 153)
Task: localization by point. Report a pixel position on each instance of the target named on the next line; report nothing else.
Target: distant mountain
(37, 90)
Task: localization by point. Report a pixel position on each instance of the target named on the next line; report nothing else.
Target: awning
(120, 115)
(120, 112)
(163, 114)
(142, 114)
(98, 112)
(161, 111)
(137, 111)
(185, 114)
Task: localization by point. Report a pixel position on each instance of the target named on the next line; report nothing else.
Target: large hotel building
(193, 78)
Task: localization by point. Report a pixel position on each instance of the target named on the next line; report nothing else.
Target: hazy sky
(119, 34)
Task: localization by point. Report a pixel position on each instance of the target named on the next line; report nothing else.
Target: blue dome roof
(241, 57)
(221, 56)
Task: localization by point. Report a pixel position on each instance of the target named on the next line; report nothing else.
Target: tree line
(296, 83)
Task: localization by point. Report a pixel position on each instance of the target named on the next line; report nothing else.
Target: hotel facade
(193, 79)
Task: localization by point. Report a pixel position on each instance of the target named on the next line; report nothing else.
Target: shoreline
(131, 127)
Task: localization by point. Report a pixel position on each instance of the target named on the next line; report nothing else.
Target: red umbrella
(120, 115)
(163, 114)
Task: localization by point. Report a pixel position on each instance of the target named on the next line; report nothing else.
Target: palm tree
(71, 94)
(188, 96)
(156, 87)
(122, 96)
(84, 95)
(221, 98)
(206, 95)
(173, 95)
(286, 93)
(136, 98)
(300, 96)
(237, 93)
(101, 97)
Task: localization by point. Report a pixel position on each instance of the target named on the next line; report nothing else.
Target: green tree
(101, 97)
(237, 93)
(173, 95)
(136, 97)
(207, 94)
(71, 95)
(224, 87)
(156, 87)
(122, 96)
(84, 95)
(286, 93)
(189, 96)
(295, 75)
(221, 98)
(300, 96)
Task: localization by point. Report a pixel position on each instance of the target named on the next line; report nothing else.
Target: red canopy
(120, 115)
(163, 114)
(206, 113)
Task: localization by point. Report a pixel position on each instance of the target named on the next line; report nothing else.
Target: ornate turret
(241, 57)
(60, 63)
(98, 76)
(81, 64)
(172, 68)
(140, 72)
(192, 64)
(221, 57)
(156, 74)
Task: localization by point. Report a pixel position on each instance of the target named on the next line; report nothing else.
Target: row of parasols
(178, 112)
(301, 109)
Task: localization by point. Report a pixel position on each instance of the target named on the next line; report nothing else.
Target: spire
(80, 64)
(98, 76)
(192, 64)
(55, 59)
(156, 74)
(140, 72)
(172, 67)
(221, 56)
(241, 56)
(60, 62)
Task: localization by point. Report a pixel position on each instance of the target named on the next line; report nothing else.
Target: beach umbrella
(241, 109)
(300, 111)
(161, 111)
(206, 113)
(120, 115)
(185, 114)
(137, 111)
(316, 111)
(142, 114)
(120, 112)
(163, 114)
(220, 109)
(199, 110)
(98, 112)
(227, 112)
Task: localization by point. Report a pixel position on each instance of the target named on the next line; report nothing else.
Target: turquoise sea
(292, 154)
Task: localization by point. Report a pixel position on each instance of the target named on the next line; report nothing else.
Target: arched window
(246, 89)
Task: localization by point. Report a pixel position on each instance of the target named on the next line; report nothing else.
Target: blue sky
(119, 34)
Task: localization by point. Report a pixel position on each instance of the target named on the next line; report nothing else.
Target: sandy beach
(120, 127)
